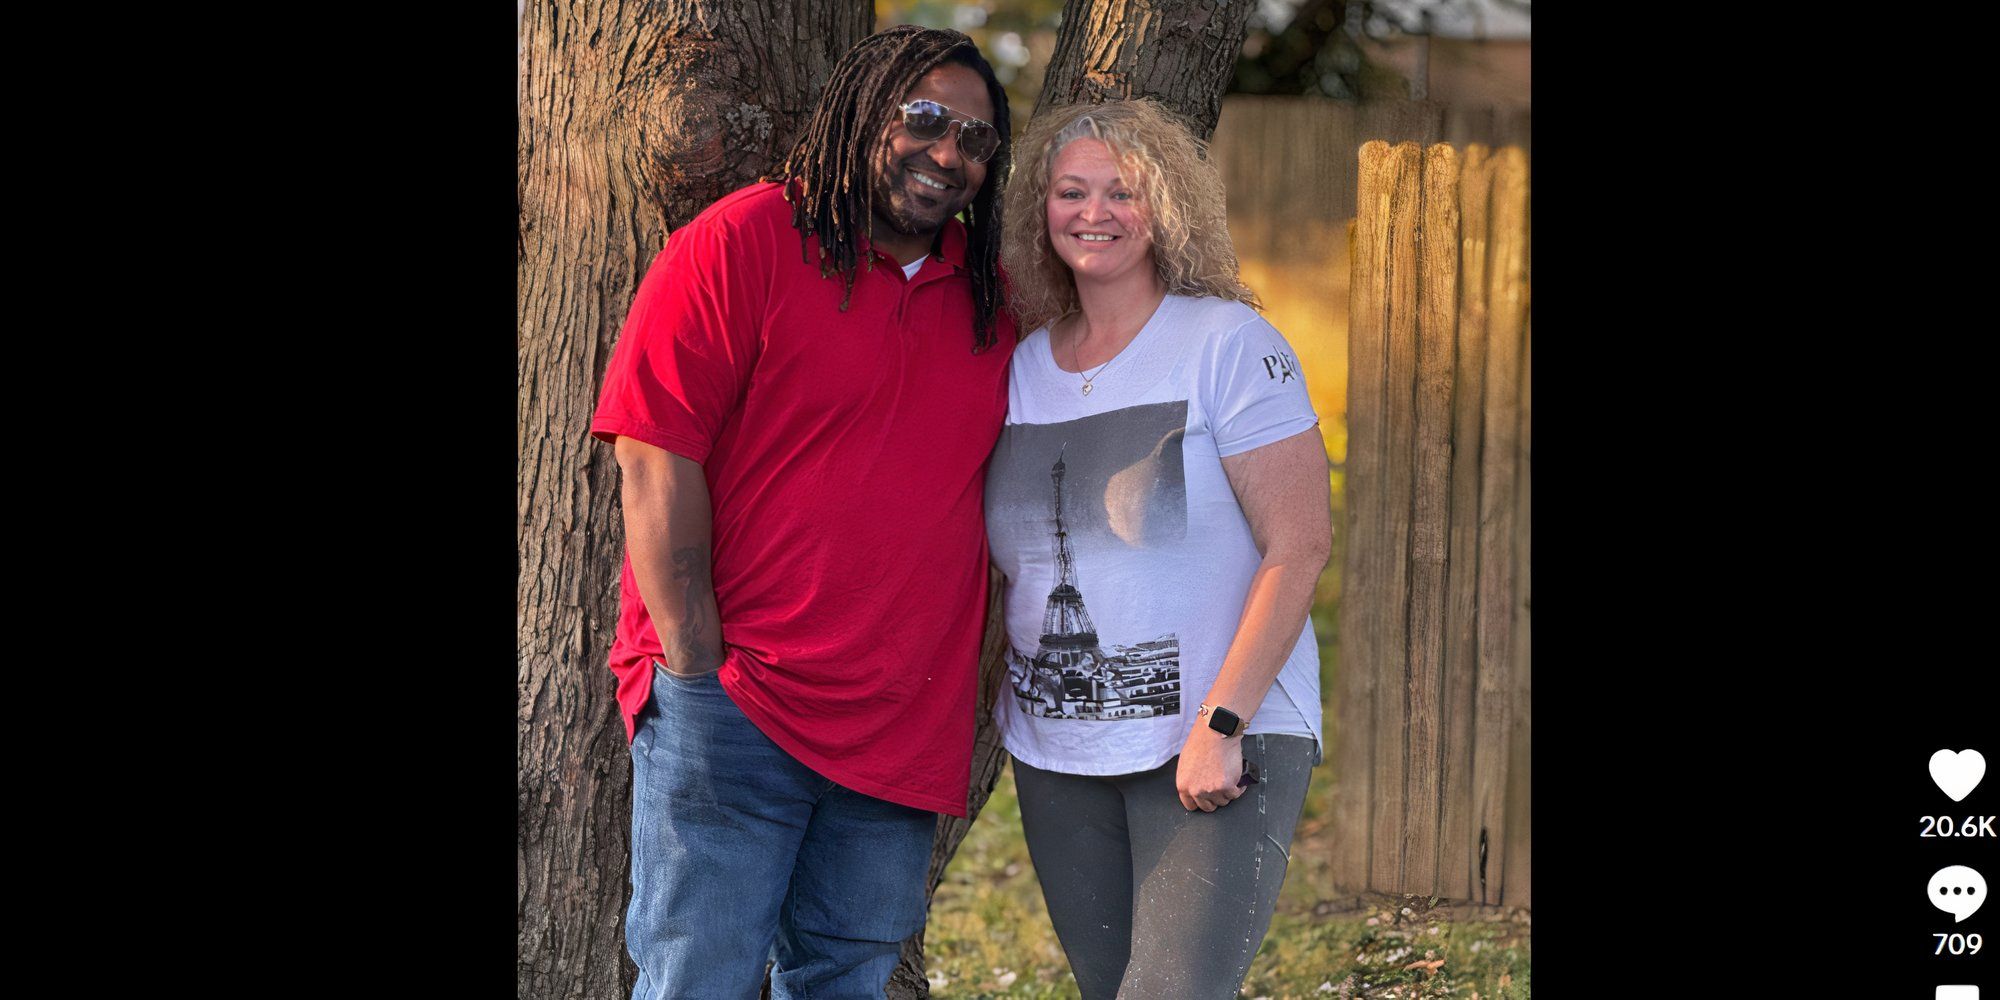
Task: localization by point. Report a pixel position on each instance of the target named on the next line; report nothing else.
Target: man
(802, 401)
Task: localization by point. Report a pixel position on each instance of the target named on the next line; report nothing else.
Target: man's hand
(1209, 768)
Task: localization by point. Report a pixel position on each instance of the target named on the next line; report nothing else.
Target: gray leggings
(1153, 901)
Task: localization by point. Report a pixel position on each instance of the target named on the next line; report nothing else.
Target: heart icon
(1957, 773)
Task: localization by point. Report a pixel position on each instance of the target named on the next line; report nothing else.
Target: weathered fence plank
(1492, 753)
(1459, 833)
(1353, 757)
(1436, 250)
(1516, 890)
(1396, 483)
(1507, 443)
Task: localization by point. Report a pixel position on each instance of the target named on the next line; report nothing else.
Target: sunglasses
(928, 121)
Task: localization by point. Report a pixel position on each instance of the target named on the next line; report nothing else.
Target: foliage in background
(1299, 48)
(1317, 47)
(1304, 47)
(1293, 47)
(1017, 36)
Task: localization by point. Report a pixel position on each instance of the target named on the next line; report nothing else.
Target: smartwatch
(1222, 720)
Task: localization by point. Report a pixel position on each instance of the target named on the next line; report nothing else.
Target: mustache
(929, 166)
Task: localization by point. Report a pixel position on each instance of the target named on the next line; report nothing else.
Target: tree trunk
(988, 758)
(1180, 52)
(632, 119)
(1189, 51)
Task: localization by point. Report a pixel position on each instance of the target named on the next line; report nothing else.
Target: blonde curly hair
(1158, 157)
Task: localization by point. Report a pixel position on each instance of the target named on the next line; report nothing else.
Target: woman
(1158, 501)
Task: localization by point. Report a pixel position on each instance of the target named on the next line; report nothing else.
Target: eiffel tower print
(1068, 637)
(1071, 675)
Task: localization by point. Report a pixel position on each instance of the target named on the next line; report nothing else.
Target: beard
(906, 208)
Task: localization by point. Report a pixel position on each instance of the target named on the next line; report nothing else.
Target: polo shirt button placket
(909, 286)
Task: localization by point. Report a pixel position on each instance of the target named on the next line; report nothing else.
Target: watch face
(1225, 721)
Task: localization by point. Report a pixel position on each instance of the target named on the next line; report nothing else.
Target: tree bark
(632, 118)
(1180, 52)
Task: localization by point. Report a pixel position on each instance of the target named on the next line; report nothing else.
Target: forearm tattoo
(700, 638)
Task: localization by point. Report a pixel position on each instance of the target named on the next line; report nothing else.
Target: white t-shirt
(1126, 553)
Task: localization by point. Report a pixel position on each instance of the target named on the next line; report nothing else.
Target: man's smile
(930, 181)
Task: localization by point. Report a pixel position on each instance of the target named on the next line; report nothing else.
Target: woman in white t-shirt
(1158, 501)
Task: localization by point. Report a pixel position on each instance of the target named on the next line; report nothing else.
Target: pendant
(1086, 388)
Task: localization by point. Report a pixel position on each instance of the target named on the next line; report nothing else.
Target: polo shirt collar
(948, 245)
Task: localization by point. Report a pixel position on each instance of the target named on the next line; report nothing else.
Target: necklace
(1088, 379)
(1076, 339)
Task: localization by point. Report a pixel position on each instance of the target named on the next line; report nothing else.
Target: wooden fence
(1290, 169)
(1431, 701)
(1289, 162)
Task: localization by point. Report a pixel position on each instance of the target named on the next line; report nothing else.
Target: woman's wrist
(1220, 720)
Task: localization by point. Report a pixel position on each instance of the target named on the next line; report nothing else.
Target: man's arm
(667, 533)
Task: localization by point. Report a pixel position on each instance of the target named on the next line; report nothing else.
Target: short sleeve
(1255, 390)
(689, 343)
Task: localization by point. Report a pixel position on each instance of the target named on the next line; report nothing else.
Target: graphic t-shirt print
(1099, 483)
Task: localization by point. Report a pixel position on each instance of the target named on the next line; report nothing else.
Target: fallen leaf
(1506, 980)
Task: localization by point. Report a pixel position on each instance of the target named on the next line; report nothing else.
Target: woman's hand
(1209, 768)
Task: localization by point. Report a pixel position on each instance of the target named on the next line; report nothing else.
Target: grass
(989, 933)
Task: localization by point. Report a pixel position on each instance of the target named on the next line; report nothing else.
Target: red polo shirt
(845, 455)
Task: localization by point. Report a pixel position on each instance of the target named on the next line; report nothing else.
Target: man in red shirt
(802, 401)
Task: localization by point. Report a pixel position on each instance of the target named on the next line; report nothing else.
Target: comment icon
(1957, 890)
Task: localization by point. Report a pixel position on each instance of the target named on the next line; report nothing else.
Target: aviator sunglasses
(928, 121)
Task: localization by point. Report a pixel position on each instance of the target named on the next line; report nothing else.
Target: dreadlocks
(834, 157)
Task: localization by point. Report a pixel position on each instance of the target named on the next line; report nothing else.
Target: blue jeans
(740, 853)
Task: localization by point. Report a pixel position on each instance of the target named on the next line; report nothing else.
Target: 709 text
(1959, 944)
